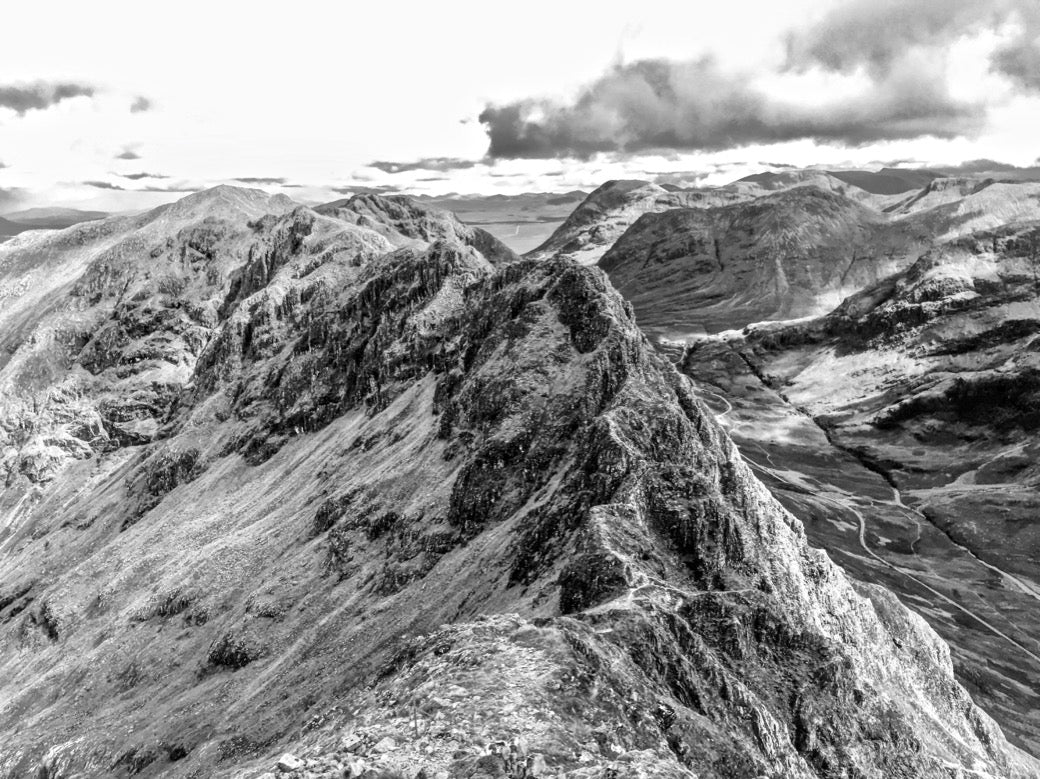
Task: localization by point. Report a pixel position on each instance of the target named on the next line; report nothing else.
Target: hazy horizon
(97, 113)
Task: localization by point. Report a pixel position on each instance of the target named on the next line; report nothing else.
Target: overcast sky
(122, 105)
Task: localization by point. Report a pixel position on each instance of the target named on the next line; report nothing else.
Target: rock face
(402, 498)
(102, 323)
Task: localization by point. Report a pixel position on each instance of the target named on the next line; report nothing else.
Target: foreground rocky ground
(359, 484)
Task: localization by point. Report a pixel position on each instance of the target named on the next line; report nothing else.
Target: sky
(120, 105)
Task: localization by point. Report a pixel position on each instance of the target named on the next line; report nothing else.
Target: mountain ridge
(225, 549)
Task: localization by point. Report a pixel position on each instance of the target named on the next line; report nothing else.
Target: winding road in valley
(1024, 587)
(843, 502)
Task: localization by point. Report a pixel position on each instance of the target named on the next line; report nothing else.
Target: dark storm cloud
(901, 47)
(128, 154)
(878, 34)
(40, 95)
(103, 185)
(261, 180)
(695, 106)
(433, 164)
(141, 103)
(139, 176)
(1020, 61)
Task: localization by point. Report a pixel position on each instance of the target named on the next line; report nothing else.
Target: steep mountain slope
(382, 424)
(939, 192)
(987, 206)
(789, 254)
(603, 217)
(102, 323)
(925, 387)
(953, 343)
(403, 221)
(605, 214)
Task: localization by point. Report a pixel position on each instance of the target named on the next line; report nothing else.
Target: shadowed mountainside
(779, 256)
(605, 214)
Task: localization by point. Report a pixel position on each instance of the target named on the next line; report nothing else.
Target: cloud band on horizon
(697, 106)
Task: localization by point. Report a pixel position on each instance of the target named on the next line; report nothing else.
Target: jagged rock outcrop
(401, 218)
(103, 322)
(415, 499)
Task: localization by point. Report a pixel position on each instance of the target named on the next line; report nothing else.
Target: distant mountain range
(772, 245)
(887, 181)
(45, 219)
